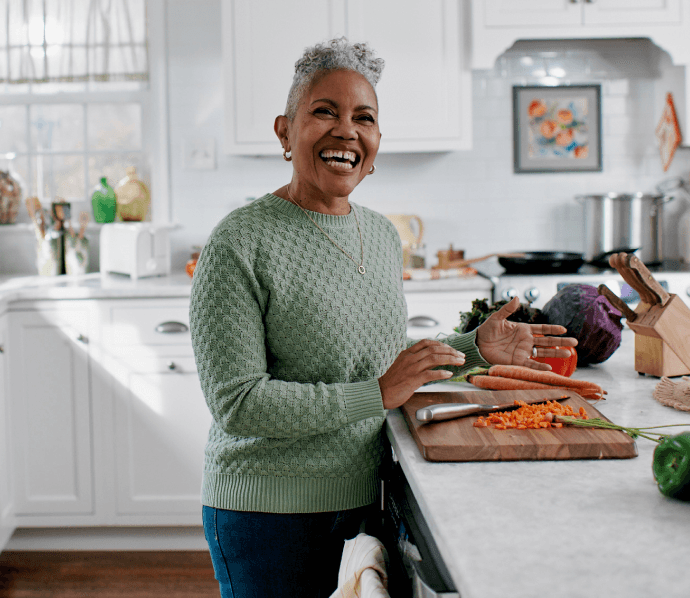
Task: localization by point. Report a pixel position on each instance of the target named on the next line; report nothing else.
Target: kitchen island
(559, 529)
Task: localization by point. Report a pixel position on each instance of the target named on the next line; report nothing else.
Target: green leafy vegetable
(481, 310)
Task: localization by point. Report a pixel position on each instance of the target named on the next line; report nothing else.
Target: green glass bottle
(104, 202)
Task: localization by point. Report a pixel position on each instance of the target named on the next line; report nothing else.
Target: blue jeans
(262, 555)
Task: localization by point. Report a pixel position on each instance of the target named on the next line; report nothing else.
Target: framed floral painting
(557, 129)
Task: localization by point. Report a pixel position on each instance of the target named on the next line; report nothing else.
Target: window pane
(68, 176)
(114, 126)
(41, 179)
(114, 168)
(57, 127)
(13, 129)
(58, 176)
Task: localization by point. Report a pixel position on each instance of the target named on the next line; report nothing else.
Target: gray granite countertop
(560, 529)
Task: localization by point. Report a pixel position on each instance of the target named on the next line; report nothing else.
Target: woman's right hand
(414, 367)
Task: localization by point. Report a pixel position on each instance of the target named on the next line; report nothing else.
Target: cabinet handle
(422, 322)
(2, 348)
(171, 327)
(82, 339)
(172, 366)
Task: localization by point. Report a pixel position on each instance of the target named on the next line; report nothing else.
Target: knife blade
(444, 411)
(637, 266)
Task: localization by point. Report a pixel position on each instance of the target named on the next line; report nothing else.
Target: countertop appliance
(137, 249)
(536, 290)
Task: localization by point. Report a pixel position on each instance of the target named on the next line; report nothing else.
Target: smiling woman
(299, 324)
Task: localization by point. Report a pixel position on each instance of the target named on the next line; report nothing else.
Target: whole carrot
(545, 377)
(500, 383)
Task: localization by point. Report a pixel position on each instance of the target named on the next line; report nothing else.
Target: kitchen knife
(617, 302)
(636, 265)
(443, 411)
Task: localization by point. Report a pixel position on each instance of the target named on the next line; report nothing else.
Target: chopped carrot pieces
(534, 416)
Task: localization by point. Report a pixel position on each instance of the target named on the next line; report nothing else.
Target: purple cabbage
(590, 318)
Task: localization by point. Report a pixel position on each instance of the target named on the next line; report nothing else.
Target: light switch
(199, 153)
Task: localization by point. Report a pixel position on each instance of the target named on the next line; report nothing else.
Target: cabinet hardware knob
(171, 327)
(422, 322)
(2, 348)
(82, 339)
(172, 366)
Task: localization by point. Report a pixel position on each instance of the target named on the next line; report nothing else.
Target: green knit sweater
(290, 341)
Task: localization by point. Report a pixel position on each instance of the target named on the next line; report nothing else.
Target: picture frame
(557, 128)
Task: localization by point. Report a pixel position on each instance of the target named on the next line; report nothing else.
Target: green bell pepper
(671, 466)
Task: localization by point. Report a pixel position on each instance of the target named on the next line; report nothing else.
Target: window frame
(154, 115)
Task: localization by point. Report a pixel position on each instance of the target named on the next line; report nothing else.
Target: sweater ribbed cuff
(363, 400)
(467, 343)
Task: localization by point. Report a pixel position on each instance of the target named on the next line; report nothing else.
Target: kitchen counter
(562, 529)
(103, 286)
(91, 286)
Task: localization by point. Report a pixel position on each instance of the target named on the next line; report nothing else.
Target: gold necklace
(360, 267)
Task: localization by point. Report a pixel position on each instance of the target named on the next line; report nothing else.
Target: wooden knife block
(662, 339)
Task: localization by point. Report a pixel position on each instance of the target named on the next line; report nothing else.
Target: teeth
(341, 165)
(351, 156)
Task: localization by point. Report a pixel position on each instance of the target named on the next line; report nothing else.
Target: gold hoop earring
(286, 157)
(373, 169)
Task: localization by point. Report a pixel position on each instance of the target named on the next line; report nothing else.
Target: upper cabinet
(497, 24)
(424, 92)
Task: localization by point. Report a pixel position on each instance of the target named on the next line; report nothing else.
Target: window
(74, 94)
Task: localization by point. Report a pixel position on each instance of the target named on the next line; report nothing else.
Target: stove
(537, 289)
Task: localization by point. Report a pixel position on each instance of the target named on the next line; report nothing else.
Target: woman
(299, 331)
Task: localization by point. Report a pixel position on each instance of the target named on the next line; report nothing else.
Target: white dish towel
(363, 569)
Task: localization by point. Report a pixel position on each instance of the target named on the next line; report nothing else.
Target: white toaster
(137, 249)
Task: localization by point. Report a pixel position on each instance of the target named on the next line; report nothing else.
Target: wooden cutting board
(459, 440)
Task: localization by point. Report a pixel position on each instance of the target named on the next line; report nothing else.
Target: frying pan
(554, 262)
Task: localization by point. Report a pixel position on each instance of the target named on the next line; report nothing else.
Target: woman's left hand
(510, 343)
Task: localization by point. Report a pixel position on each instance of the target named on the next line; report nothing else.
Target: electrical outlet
(199, 153)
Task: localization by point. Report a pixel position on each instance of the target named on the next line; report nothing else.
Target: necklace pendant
(361, 269)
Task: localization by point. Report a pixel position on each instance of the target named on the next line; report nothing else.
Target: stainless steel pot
(618, 220)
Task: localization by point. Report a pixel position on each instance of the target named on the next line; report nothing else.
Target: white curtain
(72, 40)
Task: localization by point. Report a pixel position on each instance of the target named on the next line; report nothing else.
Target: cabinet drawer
(437, 313)
(157, 324)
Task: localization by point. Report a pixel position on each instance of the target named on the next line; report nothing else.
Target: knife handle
(619, 262)
(617, 302)
(444, 411)
(646, 278)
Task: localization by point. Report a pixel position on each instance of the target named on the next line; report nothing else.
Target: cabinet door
(529, 13)
(161, 427)
(262, 39)
(6, 525)
(48, 367)
(425, 90)
(631, 12)
(574, 13)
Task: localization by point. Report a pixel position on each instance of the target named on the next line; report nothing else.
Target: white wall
(470, 199)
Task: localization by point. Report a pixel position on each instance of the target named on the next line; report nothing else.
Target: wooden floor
(109, 574)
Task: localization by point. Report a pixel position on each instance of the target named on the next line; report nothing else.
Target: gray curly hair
(336, 54)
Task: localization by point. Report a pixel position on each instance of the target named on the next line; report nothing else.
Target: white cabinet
(47, 359)
(424, 92)
(497, 24)
(6, 518)
(161, 421)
